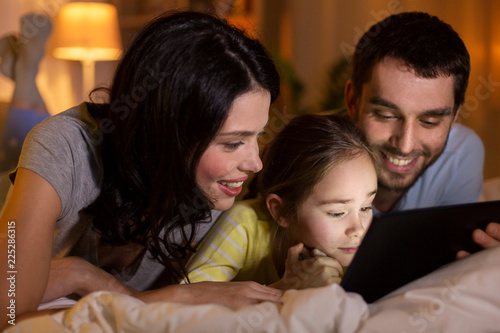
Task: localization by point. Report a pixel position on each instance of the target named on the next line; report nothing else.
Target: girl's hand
(316, 270)
(70, 275)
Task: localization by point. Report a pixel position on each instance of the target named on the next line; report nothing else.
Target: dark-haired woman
(111, 196)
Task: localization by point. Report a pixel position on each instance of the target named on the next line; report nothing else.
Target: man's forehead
(395, 83)
(388, 64)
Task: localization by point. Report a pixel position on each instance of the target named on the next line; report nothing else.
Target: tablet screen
(400, 247)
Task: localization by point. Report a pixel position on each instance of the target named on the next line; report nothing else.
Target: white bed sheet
(462, 297)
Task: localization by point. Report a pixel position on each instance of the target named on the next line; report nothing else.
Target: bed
(461, 297)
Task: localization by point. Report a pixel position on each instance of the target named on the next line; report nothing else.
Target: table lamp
(87, 32)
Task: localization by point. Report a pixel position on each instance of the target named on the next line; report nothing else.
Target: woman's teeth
(399, 162)
(231, 185)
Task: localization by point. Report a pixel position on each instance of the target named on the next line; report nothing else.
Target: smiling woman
(109, 196)
(234, 152)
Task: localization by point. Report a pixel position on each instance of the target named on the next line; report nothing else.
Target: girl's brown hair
(297, 159)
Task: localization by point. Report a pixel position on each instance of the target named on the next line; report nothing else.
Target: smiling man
(410, 73)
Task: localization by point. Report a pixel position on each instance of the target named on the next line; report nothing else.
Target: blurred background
(310, 40)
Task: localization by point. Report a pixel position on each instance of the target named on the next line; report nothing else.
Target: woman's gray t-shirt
(65, 150)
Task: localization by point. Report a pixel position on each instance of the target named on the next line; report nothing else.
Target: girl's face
(234, 152)
(336, 215)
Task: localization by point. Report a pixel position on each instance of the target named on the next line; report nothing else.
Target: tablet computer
(400, 247)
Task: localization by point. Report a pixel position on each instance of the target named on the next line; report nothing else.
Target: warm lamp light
(87, 32)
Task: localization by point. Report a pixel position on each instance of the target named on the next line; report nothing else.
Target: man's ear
(274, 204)
(350, 101)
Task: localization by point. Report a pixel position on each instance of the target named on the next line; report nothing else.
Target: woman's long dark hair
(171, 94)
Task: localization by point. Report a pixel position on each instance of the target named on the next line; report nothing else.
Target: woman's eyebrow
(237, 133)
(241, 133)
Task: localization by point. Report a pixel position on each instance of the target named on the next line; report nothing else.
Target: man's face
(406, 119)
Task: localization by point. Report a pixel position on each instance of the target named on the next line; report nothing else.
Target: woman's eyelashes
(233, 145)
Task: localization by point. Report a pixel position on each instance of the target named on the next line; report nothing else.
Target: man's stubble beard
(382, 184)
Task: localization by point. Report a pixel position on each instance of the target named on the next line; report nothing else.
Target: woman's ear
(274, 204)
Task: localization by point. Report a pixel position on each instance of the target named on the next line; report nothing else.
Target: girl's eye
(233, 146)
(366, 209)
(336, 215)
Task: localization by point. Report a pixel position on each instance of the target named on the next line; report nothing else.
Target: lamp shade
(87, 31)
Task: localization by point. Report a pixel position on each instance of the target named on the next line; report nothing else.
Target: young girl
(109, 196)
(314, 205)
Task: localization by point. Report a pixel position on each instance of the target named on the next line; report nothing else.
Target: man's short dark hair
(422, 42)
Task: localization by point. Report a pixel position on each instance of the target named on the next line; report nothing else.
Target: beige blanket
(461, 297)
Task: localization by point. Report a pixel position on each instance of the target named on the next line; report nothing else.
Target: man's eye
(430, 124)
(384, 116)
